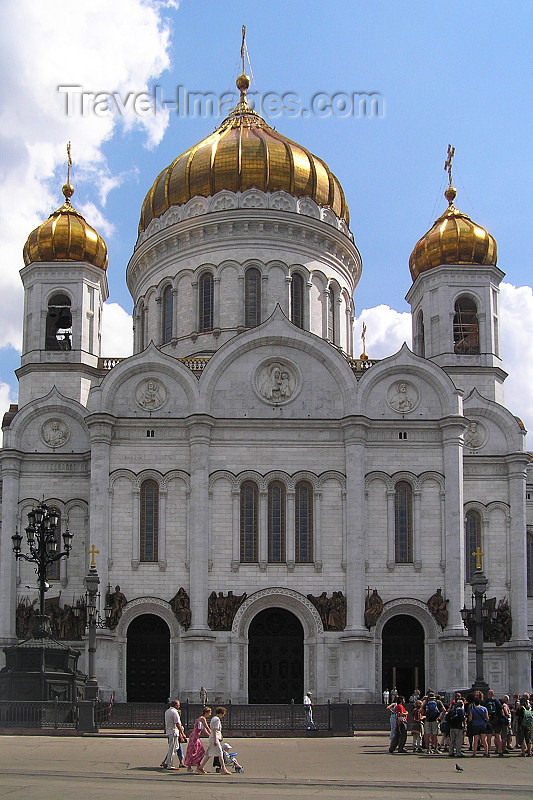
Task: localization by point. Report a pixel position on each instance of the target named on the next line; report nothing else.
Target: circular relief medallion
(276, 382)
(403, 397)
(475, 436)
(151, 394)
(55, 433)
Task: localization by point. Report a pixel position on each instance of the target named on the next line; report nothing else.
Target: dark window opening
(465, 327)
(59, 324)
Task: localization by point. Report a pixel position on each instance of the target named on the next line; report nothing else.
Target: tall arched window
(252, 297)
(206, 302)
(332, 321)
(465, 327)
(403, 523)
(303, 523)
(276, 522)
(58, 323)
(529, 559)
(149, 521)
(420, 335)
(297, 299)
(249, 522)
(472, 542)
(53, 569)
(168, 307)
(141, 340)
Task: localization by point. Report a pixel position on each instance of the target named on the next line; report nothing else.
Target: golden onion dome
(243, 153)
(66, 236)
(453, 239)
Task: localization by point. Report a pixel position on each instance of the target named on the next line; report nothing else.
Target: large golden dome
(66, 236)
(453, 239)
(243, 153)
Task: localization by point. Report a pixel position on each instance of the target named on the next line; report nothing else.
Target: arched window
(276, 522)
(303, 523)
(141, 334)
(420, 335)
(252, 297)
(465, 327)
(53, 570)
(332, 321)
(472, 542)
(297, 299)
(206, 302)
(529, 557)
(249, 522)
(149, 521)
(168, 306)
(403, 523)
(58, 323)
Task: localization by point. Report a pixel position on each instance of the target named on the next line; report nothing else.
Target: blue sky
(457, 73)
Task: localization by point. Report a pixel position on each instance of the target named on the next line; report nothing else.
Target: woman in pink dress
(195, 749)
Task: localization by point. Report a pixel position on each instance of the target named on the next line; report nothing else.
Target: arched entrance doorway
(403, 655)
(148, 660)
(275, 657)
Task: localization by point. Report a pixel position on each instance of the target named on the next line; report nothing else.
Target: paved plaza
(123, 768)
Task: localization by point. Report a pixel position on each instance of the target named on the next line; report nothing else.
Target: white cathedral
(270, 512)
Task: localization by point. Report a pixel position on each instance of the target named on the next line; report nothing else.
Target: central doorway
(275, 657)
(403, 655)
(148, 660)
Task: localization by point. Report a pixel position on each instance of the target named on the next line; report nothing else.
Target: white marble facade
(200, 413)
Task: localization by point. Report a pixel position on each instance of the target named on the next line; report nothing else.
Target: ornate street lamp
(94, 620)
(41, 534)
(475, 616)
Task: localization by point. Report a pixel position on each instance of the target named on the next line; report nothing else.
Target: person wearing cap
(308, 705)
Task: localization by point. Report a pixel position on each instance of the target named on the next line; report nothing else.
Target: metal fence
(34, 714)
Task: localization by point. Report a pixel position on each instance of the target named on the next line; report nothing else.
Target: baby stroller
(230, 759)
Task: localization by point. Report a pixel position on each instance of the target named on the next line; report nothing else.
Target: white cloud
(117, 331)
(386, 331)
(516, 336)
(89, 44)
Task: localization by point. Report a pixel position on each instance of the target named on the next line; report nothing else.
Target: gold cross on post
(69, 162)
(448, 163)
(478, 553)
(93, 552)
(243, 47)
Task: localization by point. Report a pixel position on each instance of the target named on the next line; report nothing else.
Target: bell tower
(454, 299)
(65, 286)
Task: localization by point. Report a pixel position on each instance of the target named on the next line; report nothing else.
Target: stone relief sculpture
(276, 382)
(24, 618)
(221, 610)
(474, 436)
(373, 608)
(437, 606)
(151, 395)
(116, 600)
(64, 624)
(500, 629)
(403, 397)
(54, 433)
(332, 610)
(181, 606)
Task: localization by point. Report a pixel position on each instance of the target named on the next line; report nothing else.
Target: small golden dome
(66, 236)
(453, 239)
(243, 153)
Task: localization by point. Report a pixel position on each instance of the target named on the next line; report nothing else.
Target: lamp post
(42, 543)
(94, 621)
(475, 616)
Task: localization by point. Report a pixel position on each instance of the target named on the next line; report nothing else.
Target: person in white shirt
(308, 705)
(173, 728)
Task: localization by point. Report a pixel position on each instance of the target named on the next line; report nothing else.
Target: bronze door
(148, 660)
(275, 658)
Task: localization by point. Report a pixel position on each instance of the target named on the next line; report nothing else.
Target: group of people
(196, 755)
(507, 722)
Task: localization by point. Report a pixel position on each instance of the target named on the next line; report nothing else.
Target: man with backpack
(456, 721)
(524, 720)
(494, 707)
(432, 709)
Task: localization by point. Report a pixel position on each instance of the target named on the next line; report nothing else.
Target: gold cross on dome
(478, 553)
(448, 163)
(93, 552)
(243, 47)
